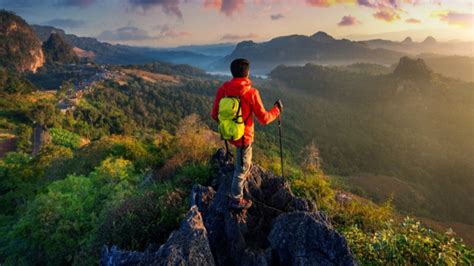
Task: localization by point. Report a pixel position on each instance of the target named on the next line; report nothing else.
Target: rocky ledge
(279, 229)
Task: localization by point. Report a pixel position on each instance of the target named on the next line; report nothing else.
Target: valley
(102, 144)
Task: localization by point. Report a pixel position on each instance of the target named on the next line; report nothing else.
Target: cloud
(65, 23)
(170, 7)
(413, 21)
(237, 37)
(454, 18)
(277, 16)
(24, 4)
(387, 15)
(366, 3)
(13, 4)
(167, 31)
(77, 3)
(228, 7)
(348, 21)
(128, 33)
(387, 10)
(326, 3)
(131, 33)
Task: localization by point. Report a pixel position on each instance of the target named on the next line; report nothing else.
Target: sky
(168, 23)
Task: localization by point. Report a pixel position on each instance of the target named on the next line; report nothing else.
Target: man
(251, 104)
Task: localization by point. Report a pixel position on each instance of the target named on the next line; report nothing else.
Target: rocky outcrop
(186, 246)
(302, 238)
(57, 50)
(412, 69)
(279, 228)
(20, 48)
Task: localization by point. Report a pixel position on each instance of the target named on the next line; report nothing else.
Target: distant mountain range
(106, 53)
(323, 49)
(429, 45)
(319, 48)
(452, 58)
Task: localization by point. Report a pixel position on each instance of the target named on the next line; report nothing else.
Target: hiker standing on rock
(234, 106)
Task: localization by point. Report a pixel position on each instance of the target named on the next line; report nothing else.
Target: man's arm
(262, 115)
(215, 107)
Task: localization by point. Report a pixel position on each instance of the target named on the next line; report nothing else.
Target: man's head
(240, 68)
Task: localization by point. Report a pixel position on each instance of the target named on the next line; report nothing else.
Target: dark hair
(240, 68)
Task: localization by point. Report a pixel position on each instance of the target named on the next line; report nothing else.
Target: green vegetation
(129, 192)
(20, 48)
(129, 186)
(14, 83)
(416, 129)
(373, 232)
(56, 50)
(65, 138)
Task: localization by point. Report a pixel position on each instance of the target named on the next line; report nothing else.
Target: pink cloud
(237, 37)
(228, 7)
(318, 3)
(387, 10)
(456, 18)
(387, 15)
(413, 21)
(327, 3)
(348, 21)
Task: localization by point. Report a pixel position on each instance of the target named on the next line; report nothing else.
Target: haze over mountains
(319, 48)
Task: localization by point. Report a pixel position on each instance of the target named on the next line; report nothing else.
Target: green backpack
(231, 122)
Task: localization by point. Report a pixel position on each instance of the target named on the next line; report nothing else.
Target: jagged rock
(302, 238)
(186, 246)
(279, 228)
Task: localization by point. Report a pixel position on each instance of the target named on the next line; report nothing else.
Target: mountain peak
(429, 40)
(407, 40)
(20, 48)
(57, 50)
(412, 68)
(322, 36)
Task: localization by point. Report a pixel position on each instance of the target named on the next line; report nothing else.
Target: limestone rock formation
(20, 48)
(279, 228)
(414, 69)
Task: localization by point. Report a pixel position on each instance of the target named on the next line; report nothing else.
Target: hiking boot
(241, 204)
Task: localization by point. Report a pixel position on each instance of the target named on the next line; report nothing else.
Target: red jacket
(251, 104)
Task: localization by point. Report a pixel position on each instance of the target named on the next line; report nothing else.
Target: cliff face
(279, 229)
(20, 48)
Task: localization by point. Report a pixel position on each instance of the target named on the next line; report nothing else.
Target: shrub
(23, 140)
(194, 143)
(191, 174)
(144, 219)
(409, 243)
(366, 215)
(16, 181)
(56, 222)
(64, 218)
(315, 187)
(65, 138)
(87, 158)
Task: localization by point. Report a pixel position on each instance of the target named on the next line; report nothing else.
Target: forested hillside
(118, 160)
(413, 124)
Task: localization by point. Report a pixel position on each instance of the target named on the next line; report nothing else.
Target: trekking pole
(281, 146)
